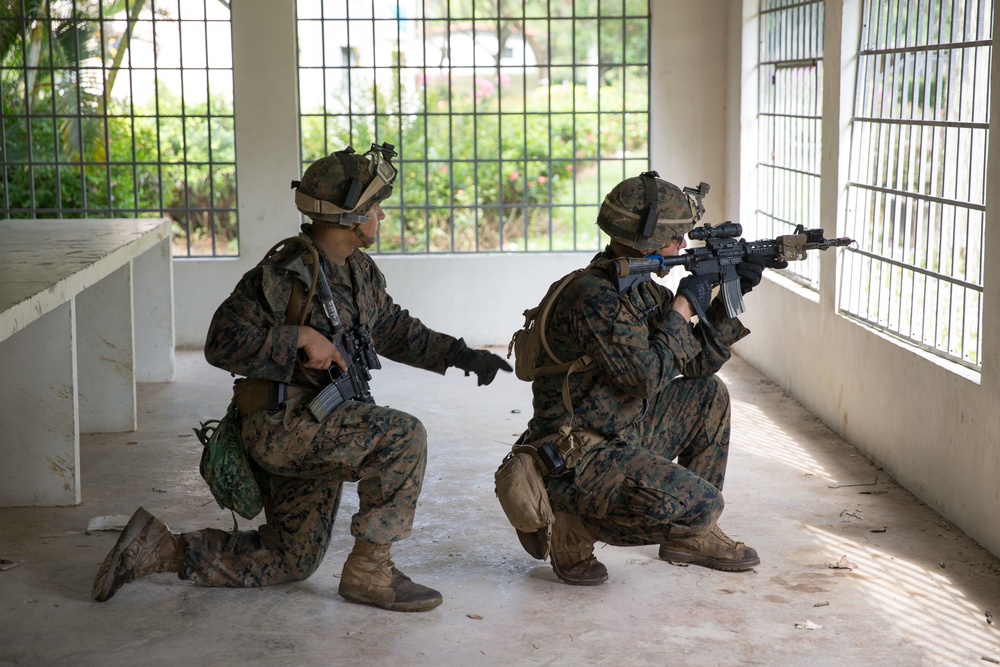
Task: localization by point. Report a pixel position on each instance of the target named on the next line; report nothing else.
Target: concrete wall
(928, 424)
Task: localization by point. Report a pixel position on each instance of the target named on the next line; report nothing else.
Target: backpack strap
(583, 363)
(298, 303)
(285, 252)
(560, 366)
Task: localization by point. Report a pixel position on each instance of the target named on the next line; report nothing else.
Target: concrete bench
(86, 311)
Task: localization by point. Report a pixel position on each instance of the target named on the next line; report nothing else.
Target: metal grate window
(121, 108)
(917, 190)
(790, 103)
(512, 118)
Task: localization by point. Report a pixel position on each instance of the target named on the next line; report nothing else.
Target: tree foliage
(72, 149)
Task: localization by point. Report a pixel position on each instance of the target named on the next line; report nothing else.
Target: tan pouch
(251, 395)
(521, 491)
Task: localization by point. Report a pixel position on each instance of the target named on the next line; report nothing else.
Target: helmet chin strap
(366, 241)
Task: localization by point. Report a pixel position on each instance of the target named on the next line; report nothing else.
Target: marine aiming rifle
(354, 345)
(720, 255)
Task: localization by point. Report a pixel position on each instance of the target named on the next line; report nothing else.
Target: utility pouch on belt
(251, 395)
(521, 491)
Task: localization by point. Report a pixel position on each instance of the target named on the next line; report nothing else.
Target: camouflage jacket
(638, 346)
(249, 336)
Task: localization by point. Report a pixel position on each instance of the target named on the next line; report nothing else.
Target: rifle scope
(727, 230)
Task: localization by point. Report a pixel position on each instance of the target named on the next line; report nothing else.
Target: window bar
(102, 76)
(426, 148)
(159, 133)
(348, 68)
(548, 98)
(548, 109)
(56, 148)
(933, 211)
(399, 140)
(902, 202)
(501, 205)
(185, 166)
(880, 154)
(576, 169)
(524, 118)
(209, 167)
(134, 168)
(477, 219)
(974, 57)
(938, 287)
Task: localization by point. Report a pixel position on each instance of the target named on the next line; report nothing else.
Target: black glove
(751, 269)
(481, 362)
(698, 291)
(649, 298)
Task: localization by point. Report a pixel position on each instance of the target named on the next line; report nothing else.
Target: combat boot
(714, 550)
(572, 552)
(370, 577)
(145, 546)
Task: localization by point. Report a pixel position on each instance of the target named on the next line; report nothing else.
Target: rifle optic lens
(727, 230)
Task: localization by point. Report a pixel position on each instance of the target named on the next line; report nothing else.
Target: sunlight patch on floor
(756, 432)
(914, 601)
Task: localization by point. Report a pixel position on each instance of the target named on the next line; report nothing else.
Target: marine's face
(375, 217)
(672, 249)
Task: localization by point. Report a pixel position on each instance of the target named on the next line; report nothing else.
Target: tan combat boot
(713, 549)
(146, 546)
(572, 552)
(370, 577)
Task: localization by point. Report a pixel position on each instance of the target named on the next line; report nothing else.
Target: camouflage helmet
(644, 212)
(342, 187)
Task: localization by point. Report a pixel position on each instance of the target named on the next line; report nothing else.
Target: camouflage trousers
(664, 483)
(382, 449)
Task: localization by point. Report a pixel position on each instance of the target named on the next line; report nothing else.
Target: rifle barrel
(838, 242)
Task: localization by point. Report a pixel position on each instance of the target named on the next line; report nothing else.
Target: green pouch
(235, 481)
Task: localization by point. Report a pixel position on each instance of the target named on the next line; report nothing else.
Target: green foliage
(478, 174)
(490, 160)
(475, 173)
(66, 155)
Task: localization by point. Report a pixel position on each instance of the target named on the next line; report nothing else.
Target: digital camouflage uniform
(653, 395)
(382, 449)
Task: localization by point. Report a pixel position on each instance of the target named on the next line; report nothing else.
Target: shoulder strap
(299, 300)
(583, 363)
(546, 307)
(298, 304)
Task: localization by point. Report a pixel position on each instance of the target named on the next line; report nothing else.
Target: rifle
(354, 345)
(719, 257)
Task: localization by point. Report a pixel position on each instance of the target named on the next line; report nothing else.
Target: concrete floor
(917, 591)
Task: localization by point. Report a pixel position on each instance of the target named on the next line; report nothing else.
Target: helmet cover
(342, 187)
(627, 213)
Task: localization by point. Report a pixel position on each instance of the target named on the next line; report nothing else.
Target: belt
(251, 395)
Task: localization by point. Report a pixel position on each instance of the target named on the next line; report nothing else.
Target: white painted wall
(689, 103)
(929, 426)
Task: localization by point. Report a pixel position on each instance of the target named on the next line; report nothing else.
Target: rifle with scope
(722, 251)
